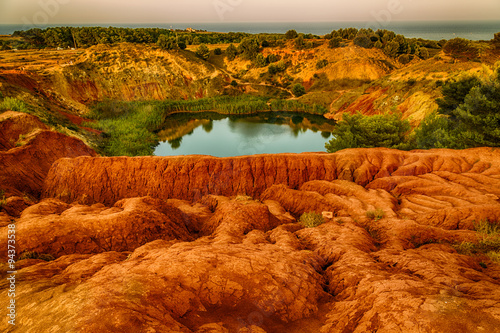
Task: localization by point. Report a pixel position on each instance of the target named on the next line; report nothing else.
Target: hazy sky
(179, 11)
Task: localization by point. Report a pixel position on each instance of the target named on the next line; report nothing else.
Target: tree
(321, 63)
(299, 42)
(272, 58)
(217, 51)
(203, 52)
(359, 131)
(231, 52)
(423, 53)
(166, 43)
(378, 44)
(298, 90)
(277, 67)
(496, 40)
(391, 49)
(454, 93)
(470, 111)
(460, 48)
(249, 48)
(260, 61)
(363, 41)
(291, 34)
(434, 132)
(479, 116)
(334, 42)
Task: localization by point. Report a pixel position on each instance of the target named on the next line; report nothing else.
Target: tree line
(468, 116)
(82, 37)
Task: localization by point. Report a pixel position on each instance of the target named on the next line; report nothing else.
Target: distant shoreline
(432, 30)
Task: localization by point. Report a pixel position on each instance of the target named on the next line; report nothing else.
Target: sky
(184, 11)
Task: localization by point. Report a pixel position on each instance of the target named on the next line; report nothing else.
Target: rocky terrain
(203, 244)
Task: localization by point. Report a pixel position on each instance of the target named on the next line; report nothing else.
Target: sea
(432, 30)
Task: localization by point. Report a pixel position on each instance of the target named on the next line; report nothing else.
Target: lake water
(433, 30)
(224, 136)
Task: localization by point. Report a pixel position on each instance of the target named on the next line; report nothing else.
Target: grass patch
(376, 215)
(488, 235)
(311, 219)
(13, 104)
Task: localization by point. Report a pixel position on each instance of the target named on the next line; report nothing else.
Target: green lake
(228, 135)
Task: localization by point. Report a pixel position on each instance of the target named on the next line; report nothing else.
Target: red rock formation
(218, 249)
(23, 169)
(58, 229)
(107, 180)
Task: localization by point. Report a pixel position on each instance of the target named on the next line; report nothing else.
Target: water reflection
(220, 135)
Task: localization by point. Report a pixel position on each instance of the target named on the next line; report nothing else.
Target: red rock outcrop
(57, 228)
(24, 168)
(216, 246)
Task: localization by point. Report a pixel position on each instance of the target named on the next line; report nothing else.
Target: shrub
(231, 52)
(278, 67)
(433, 132)
(321, 63)
(404, 59)
(167, 43)
(488, 235)
(298, 90)
(460, 48)
(334, 42)
(359, 131)
(299, 42)
(13, 104)
(291, 34)
(376, 215)
(311, 219)
(272, 58)
(203, 52)
(363, 41)
(260, 61)
(218, 51)
(36, 255)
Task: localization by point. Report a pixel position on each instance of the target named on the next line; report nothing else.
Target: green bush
(291, 34)
(13, 104)
(298, 90)
(334, 42)
(470, 111)
(311, 219)
(203, 52)
(217, 51)
(231, 52)
(321, 63)
(277, 67)
(363, 41)
(359, 131)
(433, 132)
(460, 48)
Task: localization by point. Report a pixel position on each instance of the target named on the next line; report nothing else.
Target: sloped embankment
(28, 149)
(107, 180)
